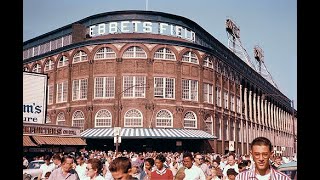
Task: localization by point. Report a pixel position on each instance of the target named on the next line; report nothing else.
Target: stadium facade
(163, 79)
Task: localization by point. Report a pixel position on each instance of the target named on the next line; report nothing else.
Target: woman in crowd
(161, 172)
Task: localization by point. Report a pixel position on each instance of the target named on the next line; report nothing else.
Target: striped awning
(28, 142)
(142, 133)
(52, 140)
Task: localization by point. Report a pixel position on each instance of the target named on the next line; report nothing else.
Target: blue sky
(271, 24)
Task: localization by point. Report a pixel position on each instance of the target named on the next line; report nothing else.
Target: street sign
(116, 131)
(115, 139)
(231, 145)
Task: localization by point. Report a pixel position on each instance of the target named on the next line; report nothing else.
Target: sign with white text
(34, 97)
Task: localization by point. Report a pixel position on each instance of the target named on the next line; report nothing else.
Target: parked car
(33, 169)
(289, 169)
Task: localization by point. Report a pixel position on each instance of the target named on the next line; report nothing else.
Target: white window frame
(207, 93)
(167, 120)
(218, 95)
(207, 62)
(107, 87)
(50, 94)
(225, 99)
(63, 86)
(49, 65)
(165, 89)
(80, 92)
(134, 52)
(105, 53)
(63, 61)
(36, 68)
(164, 54)
(238, 105)
(190, 57)
(210, 122)
(232, 105)
(189, 93)
(133, 87)
(81, 119)
(81, 55)
(190, 120)
(107, 119)
(131, 118)
(60, 119)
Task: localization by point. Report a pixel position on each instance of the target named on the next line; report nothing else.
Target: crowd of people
(261, 164)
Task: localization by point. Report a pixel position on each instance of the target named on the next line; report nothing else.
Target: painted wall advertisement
(34, 97)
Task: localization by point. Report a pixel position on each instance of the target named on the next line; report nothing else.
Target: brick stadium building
(163, 79)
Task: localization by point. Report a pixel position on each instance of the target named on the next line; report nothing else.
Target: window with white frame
(62, 92)
(238, 105)
(78, 120)
(190, 120)
(207, 62)
(134, 86)
(190, 57)
(25, 69)
(208, 124)
(105, 53)
(63, 61)
(48, 120)
(232, 102)
(49, 65)
(61, 120)
(134, 52)
(164, 87)
(133, 118)
(50, 94)
(104, 87)
(164, 118)
(218, 95)
(80, 56)
(103, 118)
(225, 99)
(36, 68)
(190, 90)
(79, 89)
(207, 93)
(164, 53)
(226, 129)
(218, 128)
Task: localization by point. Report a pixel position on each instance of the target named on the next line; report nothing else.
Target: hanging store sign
(33, 129)
(141, 27)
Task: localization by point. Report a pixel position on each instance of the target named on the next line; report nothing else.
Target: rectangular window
(190, 90)
(134, 86)
(218, 101)
(238, 105)
(104, 87)
(207, 93)
(79, 89)
(164, 87)
(50, 94)
(62, 92)
(232, 102)
(225, 99)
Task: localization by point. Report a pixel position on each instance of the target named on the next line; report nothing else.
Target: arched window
(134, 52)
(190, 120)
(208, 124)
(207, 62)
(78, 120)
(63, 61)
(133, 118)
(48, 120)
(164, 53)
(103, 118)
(49, 65)
(105, 53)
(80, 56)
(37, 68)
(25, 69)
(61, 119)
(164, 118)
(190, 57)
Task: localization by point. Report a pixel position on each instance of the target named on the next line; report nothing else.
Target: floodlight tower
(234, 43)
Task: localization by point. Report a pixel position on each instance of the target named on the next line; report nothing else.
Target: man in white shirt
(231, 164)
(191, 172)
(81, 168)
(46, 167)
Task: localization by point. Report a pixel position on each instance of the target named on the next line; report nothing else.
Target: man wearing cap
(261, 150)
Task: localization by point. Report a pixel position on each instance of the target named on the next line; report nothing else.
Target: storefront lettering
(48, 130)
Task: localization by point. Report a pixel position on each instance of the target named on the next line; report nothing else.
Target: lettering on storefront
(50, 130)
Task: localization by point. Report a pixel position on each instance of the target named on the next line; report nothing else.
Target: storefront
(39, 139)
